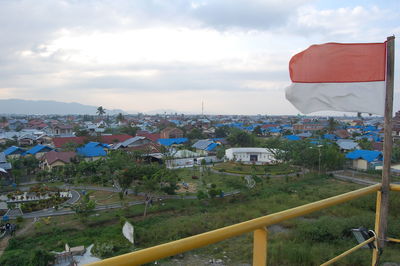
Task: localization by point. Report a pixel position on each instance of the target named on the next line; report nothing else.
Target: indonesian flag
(339, 77)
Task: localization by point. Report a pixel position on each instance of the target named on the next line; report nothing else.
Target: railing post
(375, 251)
(260, 247)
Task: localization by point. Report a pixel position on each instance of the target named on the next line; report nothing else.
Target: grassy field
(246, 169)
(308, 240)
(205, 179)
(106, 197)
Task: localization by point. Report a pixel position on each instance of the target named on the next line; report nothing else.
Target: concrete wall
(360, 164)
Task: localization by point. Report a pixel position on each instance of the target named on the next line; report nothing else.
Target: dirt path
(4, 241)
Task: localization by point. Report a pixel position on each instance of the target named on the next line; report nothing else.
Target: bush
(103, 249)
(20, 219)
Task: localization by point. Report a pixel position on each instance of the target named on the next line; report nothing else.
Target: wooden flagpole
(388, 141)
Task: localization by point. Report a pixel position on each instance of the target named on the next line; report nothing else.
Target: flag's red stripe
(335, 62)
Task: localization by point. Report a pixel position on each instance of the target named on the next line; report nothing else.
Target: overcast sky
(143, 55)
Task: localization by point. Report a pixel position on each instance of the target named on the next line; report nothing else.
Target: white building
(250, 155)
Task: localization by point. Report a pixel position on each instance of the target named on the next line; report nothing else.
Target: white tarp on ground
(128, 232)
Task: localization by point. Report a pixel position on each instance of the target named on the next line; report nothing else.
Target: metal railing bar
(348, 252)
(394, 187)
(390, 239)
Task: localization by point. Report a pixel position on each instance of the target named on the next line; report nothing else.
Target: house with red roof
(60, 142)
(152, 136)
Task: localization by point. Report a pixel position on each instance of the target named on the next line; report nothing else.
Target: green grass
(309, 240)
(221, 180)
(246, 169)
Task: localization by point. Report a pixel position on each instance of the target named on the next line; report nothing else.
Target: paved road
(53, 212)
(354, 180)
(339, 175)
(75, 197)
(233, 174)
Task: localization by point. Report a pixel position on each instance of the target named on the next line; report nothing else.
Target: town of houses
(185, 140)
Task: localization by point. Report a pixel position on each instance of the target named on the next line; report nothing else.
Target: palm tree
(120, 117)
(332, 123)
(100, 110)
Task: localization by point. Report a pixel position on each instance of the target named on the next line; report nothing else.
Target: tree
(195, 134)
(100, 110)
(84, 208)
(129, 130)
(396, 154)
(161, 181)
(241, 138)
(221, 132)
(126, 177)
(257, 131)
(365, 144)
(331, 158)
(150, 186)
(120, 117)
(40, 257)
(332, 124)
(220, 152)
(81, 133)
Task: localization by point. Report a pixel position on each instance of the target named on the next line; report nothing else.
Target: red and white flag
(339, 77)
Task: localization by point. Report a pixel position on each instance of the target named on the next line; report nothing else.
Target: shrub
(20, 219)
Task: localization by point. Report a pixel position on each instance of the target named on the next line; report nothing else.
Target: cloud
(243, 14)
(230, 52)
(346, 23)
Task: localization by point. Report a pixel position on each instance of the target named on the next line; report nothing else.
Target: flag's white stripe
(365, 97)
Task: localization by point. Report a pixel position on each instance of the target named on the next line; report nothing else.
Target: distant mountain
(30, 107)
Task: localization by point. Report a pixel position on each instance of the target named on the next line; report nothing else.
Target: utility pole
(387, 149)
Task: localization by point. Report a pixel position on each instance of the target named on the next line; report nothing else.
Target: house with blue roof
(273, 131)
(93, 151)
(330, 137)
(204, 146)
(174, 141)
(38, 151)
(292, 137)
(14, 152)
(304, 135)
(365, 159)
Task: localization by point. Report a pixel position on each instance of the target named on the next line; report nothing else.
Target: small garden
(248, 169)
(37, 198)
(51, 202)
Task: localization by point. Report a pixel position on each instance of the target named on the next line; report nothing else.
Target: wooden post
(387, 148)
(375, 251)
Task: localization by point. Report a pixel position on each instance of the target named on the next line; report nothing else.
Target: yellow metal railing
(258, 226)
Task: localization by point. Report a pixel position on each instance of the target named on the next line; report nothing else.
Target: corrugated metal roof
(169, 142)
(367, 155)
(13, 150)
(211, 147)
(92, 149)
(347, 144)
(202, 144)
(292, 137)
(2, 157)
(38, 148)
